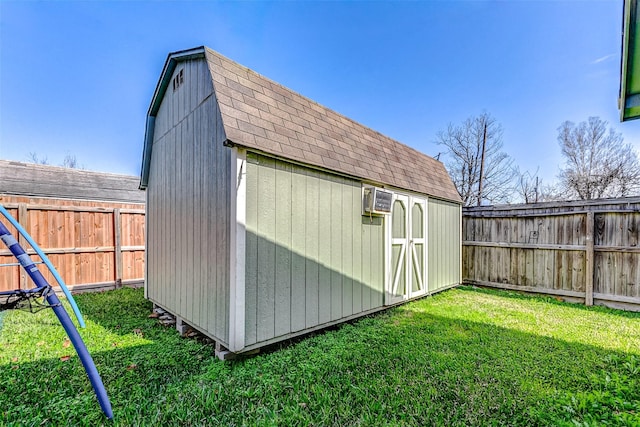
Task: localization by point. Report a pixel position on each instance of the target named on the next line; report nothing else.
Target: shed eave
(169, 66)
(229, 143)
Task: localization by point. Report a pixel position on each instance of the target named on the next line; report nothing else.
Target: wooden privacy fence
(89, 224)
(93, 245)
(585, 251)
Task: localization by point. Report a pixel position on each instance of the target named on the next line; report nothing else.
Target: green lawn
(462, 357)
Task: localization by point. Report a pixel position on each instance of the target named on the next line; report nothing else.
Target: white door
(418, 247)
(406, 249)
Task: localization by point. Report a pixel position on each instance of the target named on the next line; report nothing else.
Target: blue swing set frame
(43, 289)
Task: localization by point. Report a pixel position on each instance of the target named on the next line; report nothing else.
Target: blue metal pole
(39, 280)
(44, 258)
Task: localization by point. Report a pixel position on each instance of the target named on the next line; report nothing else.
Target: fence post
(22, 220)
(589, 261)
(117, 252)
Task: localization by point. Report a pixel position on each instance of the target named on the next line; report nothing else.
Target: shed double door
(406, 249)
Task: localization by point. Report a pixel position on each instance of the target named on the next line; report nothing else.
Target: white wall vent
(376, 200)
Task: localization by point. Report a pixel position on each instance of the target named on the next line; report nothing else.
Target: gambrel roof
(261, 114)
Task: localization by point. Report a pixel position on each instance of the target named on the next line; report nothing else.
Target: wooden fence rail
(585, 251)
(94, 245)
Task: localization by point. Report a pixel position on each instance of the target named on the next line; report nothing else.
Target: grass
(463, 357)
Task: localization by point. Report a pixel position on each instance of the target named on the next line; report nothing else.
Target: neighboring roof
(33, 180)
(261, 114)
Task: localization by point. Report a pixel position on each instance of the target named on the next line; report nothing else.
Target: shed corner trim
(237, 250)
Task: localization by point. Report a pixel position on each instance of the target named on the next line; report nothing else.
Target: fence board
(586, 249)
(80, 237)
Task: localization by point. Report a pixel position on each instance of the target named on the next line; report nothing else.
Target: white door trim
(415, 262)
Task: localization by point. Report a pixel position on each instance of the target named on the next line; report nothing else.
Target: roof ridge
(61, 169)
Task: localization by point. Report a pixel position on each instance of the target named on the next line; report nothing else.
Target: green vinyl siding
(311, 257)
(324, 250)
(266, 255)
(282, 319)
(298, 244)
(444, 245)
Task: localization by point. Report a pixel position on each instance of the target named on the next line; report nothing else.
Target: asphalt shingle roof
(262, 114)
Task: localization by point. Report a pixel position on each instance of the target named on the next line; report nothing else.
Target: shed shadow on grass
(402, 366)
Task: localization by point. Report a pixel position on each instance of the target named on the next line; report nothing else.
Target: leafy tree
(597, 162)
(464, 160)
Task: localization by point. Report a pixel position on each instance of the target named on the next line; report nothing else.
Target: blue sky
(77, 77)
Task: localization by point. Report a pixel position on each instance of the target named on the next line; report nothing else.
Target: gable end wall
(188, 205)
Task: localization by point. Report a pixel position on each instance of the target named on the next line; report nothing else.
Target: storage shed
(270, 216)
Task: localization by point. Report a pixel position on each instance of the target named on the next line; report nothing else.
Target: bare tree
(528, 186)
(33, 158)
(70, 162)
(597, 162)
(476, 139)
(553, 192)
